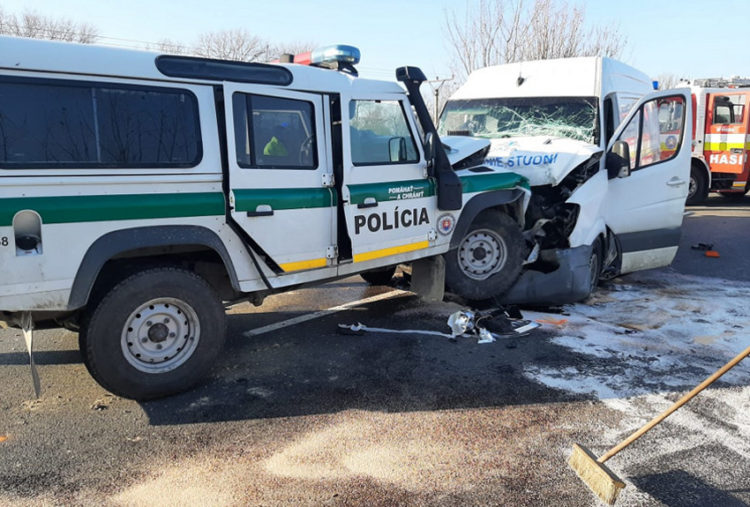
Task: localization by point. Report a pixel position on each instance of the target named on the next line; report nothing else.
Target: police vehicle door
(645, 205)
(389, 202)
(279, 176)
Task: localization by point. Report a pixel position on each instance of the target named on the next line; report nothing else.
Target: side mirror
(618, 160)
(397, 149)
(429, 152)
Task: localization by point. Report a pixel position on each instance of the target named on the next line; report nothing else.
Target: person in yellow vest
(275, 146)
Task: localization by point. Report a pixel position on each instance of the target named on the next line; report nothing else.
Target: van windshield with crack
(571, 117)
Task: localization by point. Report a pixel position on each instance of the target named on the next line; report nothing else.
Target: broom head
(602, 481)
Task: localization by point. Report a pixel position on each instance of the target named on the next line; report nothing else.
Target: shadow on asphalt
(48, 357)
(312, 369)
(720, 201)
(681, 489)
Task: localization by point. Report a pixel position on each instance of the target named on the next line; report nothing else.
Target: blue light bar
(335, 54)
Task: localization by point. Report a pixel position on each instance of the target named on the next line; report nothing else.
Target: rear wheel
(154, 334)
(698, 188)
(381, 276)
(488, 259)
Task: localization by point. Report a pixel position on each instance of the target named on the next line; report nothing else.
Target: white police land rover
(141, 193)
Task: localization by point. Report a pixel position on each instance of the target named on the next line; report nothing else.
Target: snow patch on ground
(650, 332)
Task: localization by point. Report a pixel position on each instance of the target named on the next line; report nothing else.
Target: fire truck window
(380, 134)
(728, 109)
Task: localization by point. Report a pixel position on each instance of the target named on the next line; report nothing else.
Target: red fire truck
(721, 136)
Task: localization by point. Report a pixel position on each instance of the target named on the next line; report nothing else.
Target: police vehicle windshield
(571, 117)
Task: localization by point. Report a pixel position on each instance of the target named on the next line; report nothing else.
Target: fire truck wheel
(379, 276)
(488, 259)
(153, 334)
(698, 188)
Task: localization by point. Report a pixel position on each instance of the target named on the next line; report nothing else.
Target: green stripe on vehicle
(391, 191)
(247, 199)
(484, 182)
(100, 208)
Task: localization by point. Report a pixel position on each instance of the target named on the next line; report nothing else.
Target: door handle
(676, 182)
(369, 202)
(261, 210)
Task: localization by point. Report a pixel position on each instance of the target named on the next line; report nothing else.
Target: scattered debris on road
(495, 324)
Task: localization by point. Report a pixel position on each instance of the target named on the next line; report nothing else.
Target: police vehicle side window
(380, 134)
(63, 124)
(274, 133)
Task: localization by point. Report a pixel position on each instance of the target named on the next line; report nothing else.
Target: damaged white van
(608, 186)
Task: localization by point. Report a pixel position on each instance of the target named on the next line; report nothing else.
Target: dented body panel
(555, 122)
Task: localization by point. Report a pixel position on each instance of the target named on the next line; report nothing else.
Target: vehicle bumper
(568, 283)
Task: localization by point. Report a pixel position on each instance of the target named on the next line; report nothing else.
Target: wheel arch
(509, 201)
(121, 242)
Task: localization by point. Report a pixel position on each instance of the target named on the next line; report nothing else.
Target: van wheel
(698, 188)
(488, 259)
(379, 276)
(154, 334)
(595, 266)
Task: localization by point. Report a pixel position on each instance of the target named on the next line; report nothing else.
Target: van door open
(279, 176)
(648, 182)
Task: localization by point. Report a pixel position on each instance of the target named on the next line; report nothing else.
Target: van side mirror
(618, 160)
(429, 152)
(397, 149)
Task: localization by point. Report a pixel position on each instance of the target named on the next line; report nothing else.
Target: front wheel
(489, 258)
(154, 334)
(595, 266)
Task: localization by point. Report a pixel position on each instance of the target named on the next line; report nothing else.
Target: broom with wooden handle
(602, 481)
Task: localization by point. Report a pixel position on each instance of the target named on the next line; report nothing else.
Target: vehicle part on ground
(153, 334)
(27, 326)
(488, 259)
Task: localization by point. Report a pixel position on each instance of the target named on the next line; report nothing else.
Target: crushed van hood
(543, 160)
(459, 148)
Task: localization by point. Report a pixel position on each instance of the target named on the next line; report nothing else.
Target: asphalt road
(305, 415)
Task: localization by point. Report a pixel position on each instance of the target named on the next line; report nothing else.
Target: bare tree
(33, 25)
(170, 47)
(291, 48)
(492, 32)
(669, 81)
(237, 44)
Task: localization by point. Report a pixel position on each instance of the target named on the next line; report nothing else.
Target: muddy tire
(488, 259)
(379, 276)
(698, 187)
(153, 334)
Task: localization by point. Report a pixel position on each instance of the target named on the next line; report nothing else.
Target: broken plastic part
(485, 336)
(461, 322)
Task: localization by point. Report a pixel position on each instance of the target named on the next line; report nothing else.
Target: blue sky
(686, 38)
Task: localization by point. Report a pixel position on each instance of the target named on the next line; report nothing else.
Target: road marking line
(322, 313)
